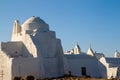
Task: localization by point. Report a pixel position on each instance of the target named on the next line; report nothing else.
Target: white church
(35, 50)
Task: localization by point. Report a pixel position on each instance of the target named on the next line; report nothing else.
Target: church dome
(34, 23)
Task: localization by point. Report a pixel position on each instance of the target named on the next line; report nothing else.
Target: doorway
(83, 69)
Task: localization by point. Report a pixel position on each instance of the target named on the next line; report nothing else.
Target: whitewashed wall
(5, 66)
(93, 68)
(26, 66)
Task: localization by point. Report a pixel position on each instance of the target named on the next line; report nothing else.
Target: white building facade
(35, 50)
(92, 64)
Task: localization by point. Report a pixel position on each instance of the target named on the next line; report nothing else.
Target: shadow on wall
(103, 70)
(25, 50)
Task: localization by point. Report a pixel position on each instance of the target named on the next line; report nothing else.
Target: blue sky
(95, 22)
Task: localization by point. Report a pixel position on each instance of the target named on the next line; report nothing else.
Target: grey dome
(33, 23)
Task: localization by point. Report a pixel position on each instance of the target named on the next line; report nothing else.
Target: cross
(2, 74)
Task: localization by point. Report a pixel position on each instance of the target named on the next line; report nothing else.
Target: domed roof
(33, 23)
(34, 19)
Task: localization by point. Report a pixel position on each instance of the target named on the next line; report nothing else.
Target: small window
(16, 52)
